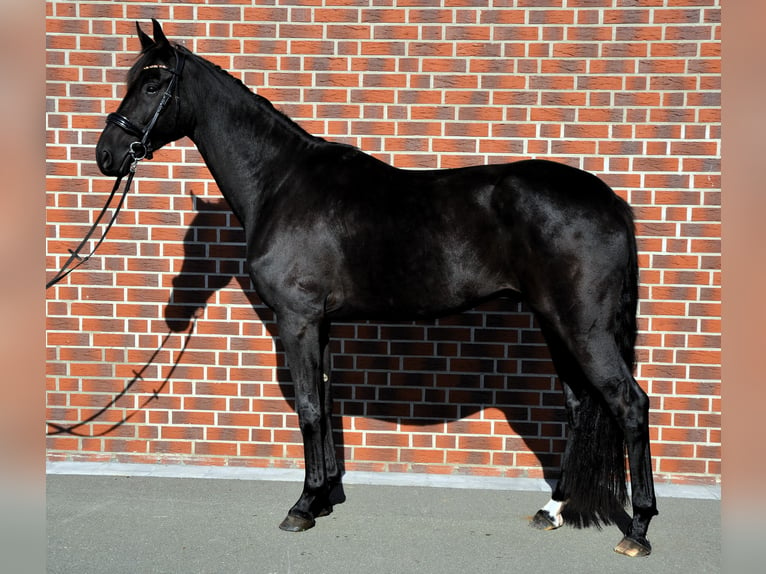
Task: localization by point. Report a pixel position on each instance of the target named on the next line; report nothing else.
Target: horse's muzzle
(111, 165)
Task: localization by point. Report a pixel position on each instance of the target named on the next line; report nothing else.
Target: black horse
(335, 234)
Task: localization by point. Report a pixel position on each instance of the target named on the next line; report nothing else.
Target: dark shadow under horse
(335, 234)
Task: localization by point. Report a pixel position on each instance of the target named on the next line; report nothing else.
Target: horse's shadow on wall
(418, 373)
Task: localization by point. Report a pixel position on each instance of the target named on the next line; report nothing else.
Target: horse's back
(487, 213)
(361, 182)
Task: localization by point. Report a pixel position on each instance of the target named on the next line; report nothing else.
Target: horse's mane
(258, 100)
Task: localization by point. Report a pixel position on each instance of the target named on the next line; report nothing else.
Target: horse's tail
(595, 472)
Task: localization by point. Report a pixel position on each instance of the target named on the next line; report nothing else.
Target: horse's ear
(159, 35)
(146, 41)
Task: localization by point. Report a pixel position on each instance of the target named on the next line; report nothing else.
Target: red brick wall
(627, 89)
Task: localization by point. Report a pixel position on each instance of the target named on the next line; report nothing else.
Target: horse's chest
(293, 265)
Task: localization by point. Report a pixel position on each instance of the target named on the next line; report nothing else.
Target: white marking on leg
(553, 509)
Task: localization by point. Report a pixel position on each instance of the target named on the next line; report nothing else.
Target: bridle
(138, 150)
(142, 148)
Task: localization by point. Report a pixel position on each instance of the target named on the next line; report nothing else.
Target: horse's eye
(152, 89)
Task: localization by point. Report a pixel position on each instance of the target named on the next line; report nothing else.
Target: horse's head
(148, 116)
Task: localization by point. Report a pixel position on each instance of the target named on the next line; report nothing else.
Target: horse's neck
(244, 143)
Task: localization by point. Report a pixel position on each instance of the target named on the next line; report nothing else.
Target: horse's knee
(309, 418)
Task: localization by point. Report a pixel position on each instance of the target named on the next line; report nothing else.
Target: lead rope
(75, 254)
(73, 429)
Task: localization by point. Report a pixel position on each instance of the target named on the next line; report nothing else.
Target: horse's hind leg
(550, 517)
(607, 411)
(611, 378)
(633, 403)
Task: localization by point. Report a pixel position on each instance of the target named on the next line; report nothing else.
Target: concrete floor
(121, 523)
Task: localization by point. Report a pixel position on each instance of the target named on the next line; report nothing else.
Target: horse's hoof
(543, 521)
(633, 548)
(293, 523)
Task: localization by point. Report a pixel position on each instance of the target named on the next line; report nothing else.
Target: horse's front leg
(335, 494)
(302, 339)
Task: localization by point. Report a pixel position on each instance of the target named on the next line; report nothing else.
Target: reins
(138, 150)
(75, 254)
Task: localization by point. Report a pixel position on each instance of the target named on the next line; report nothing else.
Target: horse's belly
(416, 296)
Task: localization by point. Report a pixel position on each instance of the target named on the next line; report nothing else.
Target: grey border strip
(712, 492)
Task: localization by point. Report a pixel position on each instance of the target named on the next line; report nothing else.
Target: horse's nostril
(106, 159)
